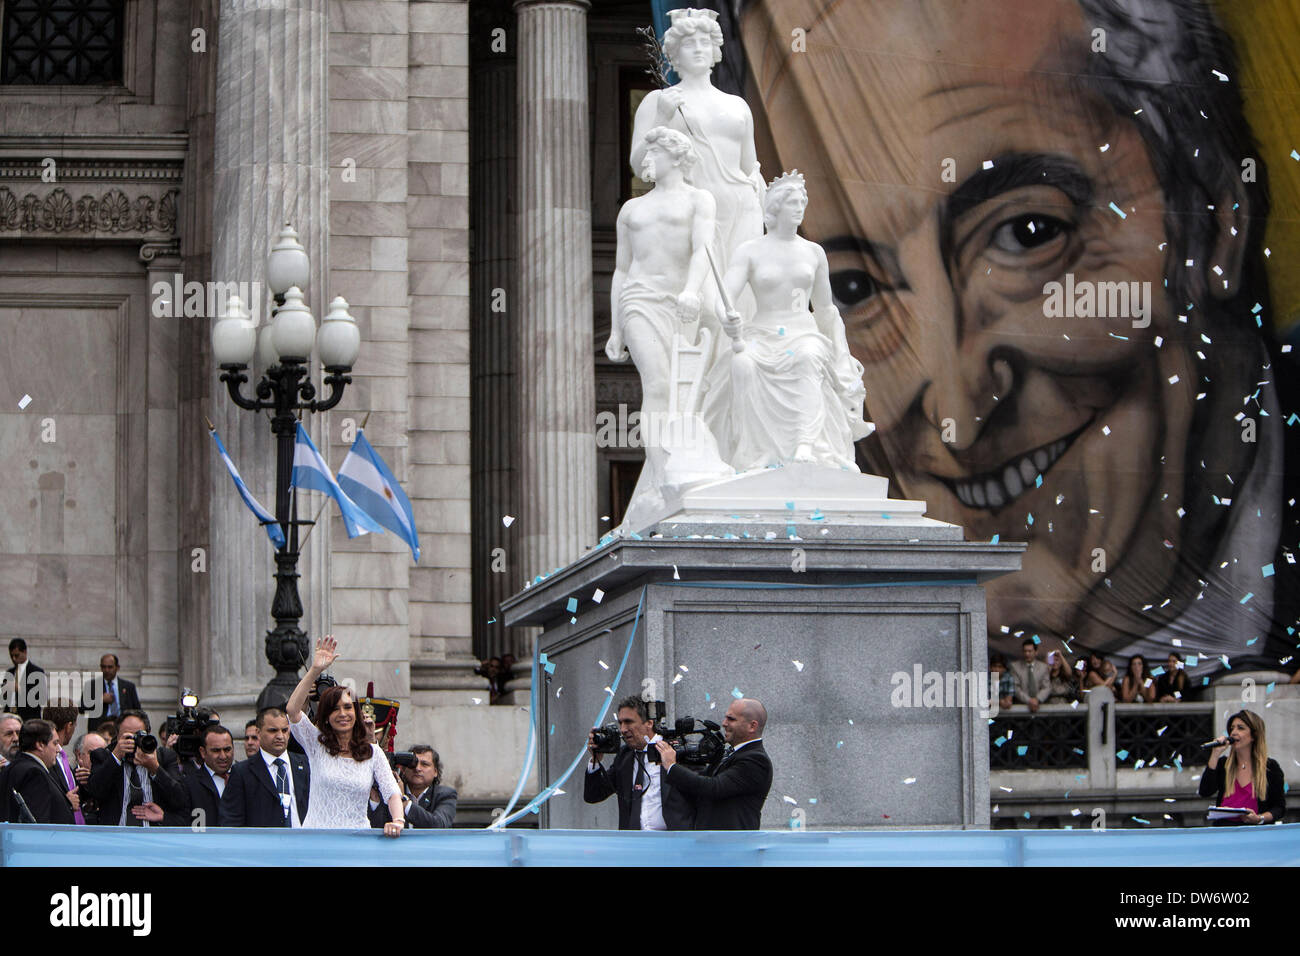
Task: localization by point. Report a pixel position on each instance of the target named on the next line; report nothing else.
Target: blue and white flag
(365, 479)
(271, 526)
(310, 471)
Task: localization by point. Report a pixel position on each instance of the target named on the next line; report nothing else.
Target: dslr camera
(145, 743)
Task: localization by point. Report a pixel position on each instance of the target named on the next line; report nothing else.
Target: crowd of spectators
(118, 773)
(1031, 682)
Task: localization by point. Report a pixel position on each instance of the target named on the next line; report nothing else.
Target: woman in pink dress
(1247, 777)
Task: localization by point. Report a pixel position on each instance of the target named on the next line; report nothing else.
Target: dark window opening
(61, 42)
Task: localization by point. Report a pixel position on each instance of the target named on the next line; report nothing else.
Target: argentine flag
(272, 527)
(365, 479)
(310, 471)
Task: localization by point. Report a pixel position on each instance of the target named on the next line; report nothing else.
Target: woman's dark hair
(1145, 670)
(330, 700)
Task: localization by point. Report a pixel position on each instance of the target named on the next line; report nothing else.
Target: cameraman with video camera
(729, 796)
(429, 805)
(135, 781)
(647, 800)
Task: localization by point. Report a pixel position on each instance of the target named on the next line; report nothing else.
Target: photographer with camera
(647, 799)
(136, 782)
(429, 805)
(729, 796)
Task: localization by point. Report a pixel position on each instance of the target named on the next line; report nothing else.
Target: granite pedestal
(830, 628)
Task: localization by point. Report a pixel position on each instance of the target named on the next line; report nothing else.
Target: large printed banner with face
(1049, 230)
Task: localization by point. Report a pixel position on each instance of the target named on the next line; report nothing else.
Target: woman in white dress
(344, 764)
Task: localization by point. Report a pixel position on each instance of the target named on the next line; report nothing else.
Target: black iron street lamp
(286, 391)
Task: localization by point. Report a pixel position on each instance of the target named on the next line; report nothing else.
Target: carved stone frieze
(96, 213)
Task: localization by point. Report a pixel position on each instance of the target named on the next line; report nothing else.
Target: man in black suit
(272, 787)
(29, 775)
(730, 797)
(107, 695)
(429, 805)
(133, 788)
(647, 798)
(64, 721)
(208, 781)
(28, 691)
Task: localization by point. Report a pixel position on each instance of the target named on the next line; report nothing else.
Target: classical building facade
(454, 170)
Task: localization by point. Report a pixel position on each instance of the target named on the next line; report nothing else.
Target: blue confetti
(1249, 595)
(790, 505)
(1031, 517)
(1022, 750)
(1119, 212)
(1000, 741)
(1267, 570)
(1026, 814)
(839, 745)
(552, 729)
(1121, 754)
(572, 605)
(1192, 660)
(1295, 156)
(1038, 482)
(996, 539)
(1268, 688)
(1256, 309)
(812, 800)
(1251, 641)
(1122, 338)
(735, 692)
(550, 667)
(707, 698)
(1037, 639)
(1140, 820)
(1079, 751)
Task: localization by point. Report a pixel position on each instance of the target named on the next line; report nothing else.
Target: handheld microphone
(1216, 742)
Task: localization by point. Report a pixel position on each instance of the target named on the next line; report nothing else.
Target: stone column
(270, 166)
(555, 440)
(494, 308)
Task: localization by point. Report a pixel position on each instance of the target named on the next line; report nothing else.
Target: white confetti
(477, 700)
(910, 780)
(598, 596)
(676, 678)
(508, 520)
(676, 576)
(1173, 379)
(1105, 429)
(791, 800)
(24, 401)
(603, 664)
(798, 665)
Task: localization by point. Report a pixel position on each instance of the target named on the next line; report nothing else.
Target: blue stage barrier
(44, 845)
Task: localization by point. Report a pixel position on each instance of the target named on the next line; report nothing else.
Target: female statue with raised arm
(790, 392)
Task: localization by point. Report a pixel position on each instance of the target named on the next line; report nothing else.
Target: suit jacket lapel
(263, 775)
(301, 785)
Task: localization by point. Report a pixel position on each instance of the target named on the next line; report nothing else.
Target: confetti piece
(1121, 754)
(735, 692)
(508, 520)
(1266, 570)
(683, 667)
(1295, 156)
(909, 780)
(790, 800)
(839, 744)
(1249, 595)
(552, 730)
(24, 401)
(676, 576)
(1000, 741)
(1105, 429)
(572, 605)
(1117, 211)
(996, 539)
(1173, 379)
(1022, 750)
(676, 678)
(603, 665)
(798, 665)
(988, 164)
(477, 700)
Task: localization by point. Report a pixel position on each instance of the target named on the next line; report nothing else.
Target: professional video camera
(188, 724)
(704, 752)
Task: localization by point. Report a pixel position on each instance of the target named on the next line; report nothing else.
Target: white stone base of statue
(784, 494)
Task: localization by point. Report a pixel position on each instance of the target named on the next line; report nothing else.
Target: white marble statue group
(708, 250)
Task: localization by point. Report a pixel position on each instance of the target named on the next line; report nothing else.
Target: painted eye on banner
(1028, 232)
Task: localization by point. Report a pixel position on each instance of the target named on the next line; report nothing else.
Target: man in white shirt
(646, 800)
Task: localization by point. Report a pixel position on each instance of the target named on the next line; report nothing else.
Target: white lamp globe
(287, 266)
(294, 329)
(234, 339)
(266, 354)
(339, 342)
